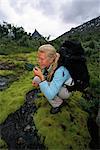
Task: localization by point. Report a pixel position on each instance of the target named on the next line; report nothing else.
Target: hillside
(89, 35)
(16, 40)
(25, 119)
(90, 26)
(85, 32)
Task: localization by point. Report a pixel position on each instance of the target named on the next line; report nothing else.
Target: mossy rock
(66, 129)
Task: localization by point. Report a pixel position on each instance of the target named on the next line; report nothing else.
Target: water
(19, 130)
(5, 81)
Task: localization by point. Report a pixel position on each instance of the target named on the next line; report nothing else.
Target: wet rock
(98, 117)
(5, 81)
(94, 132)
(32, 94)
(27, 128)
(20, 140)
(7, 66)
(18, 130)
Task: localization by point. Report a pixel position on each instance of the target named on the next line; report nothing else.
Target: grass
(7, 72)
(59, 131)
(13, 97)
(65, 130)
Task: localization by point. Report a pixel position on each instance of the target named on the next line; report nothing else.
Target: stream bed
(5, 81)
(19, 130)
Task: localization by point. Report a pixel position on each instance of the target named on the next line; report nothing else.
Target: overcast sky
(49, 17)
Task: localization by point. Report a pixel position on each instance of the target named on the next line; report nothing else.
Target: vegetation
(16, 40)
(67, 129)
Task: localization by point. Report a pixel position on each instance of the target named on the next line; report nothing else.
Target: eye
(41, 59)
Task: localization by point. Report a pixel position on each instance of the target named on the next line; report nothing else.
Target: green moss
(65, 130)
(13, 97)
(7, 72)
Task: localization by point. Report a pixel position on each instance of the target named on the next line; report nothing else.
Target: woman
(51, 78)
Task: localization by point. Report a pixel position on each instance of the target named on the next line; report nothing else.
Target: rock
(18, 130)
(28, 127)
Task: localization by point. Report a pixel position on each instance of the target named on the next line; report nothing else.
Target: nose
(39, 60)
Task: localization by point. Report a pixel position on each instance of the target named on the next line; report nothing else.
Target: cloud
(79, 11)
(2, 15)
(47, 16)
(7, 11)
(48, 8)
(31, 15)
(44, 6)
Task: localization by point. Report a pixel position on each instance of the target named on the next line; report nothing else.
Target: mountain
(89, 36)
(75, 127)
(91, 25)
(36, 34)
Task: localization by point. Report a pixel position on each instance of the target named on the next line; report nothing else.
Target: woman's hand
(37, 72)
(35, 84)
(36, 81)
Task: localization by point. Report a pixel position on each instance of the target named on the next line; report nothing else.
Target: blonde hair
(50, 52)
(48, 49)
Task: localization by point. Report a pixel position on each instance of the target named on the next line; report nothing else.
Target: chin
(42, 67)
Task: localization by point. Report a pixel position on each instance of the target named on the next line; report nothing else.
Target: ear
(57, 57)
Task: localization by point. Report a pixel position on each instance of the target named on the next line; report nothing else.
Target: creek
(19, 130)
(5, 81)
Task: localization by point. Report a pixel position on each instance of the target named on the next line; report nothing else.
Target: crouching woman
(50, 77)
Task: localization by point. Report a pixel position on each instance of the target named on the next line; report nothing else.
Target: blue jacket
(51, 89)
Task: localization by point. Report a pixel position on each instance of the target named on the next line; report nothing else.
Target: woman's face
(44, 61)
